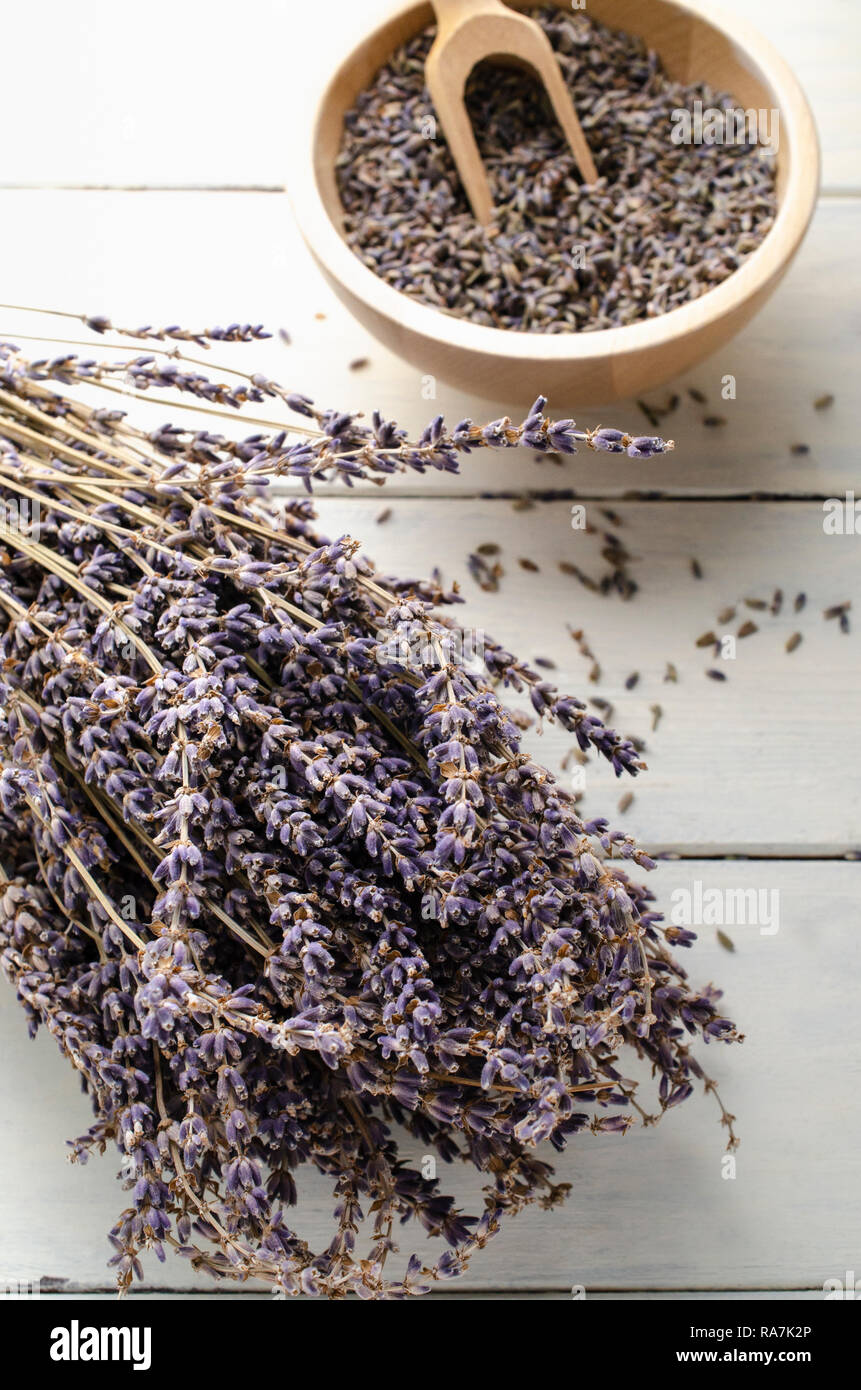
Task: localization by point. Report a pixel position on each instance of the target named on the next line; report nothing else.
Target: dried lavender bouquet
(237, 766)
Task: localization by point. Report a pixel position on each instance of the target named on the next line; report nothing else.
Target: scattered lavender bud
(485, 575)
(649, 414)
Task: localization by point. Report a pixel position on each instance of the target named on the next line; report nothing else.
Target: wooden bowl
(586, 368)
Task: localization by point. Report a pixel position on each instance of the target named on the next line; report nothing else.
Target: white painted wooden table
(144, 180)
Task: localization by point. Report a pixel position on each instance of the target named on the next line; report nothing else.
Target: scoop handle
(449, 12)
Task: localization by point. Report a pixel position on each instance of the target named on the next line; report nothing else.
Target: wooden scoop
(467, 32)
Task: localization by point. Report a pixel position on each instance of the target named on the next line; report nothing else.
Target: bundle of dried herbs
(665, 222)
(276, 872)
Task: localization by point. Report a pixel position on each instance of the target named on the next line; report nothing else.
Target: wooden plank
(107, 106)
(747, 742)
(113, 262)
(650, 1211)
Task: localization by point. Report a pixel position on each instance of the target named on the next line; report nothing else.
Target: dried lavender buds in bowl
(277, 872)
(587, 294)
(664, 224)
